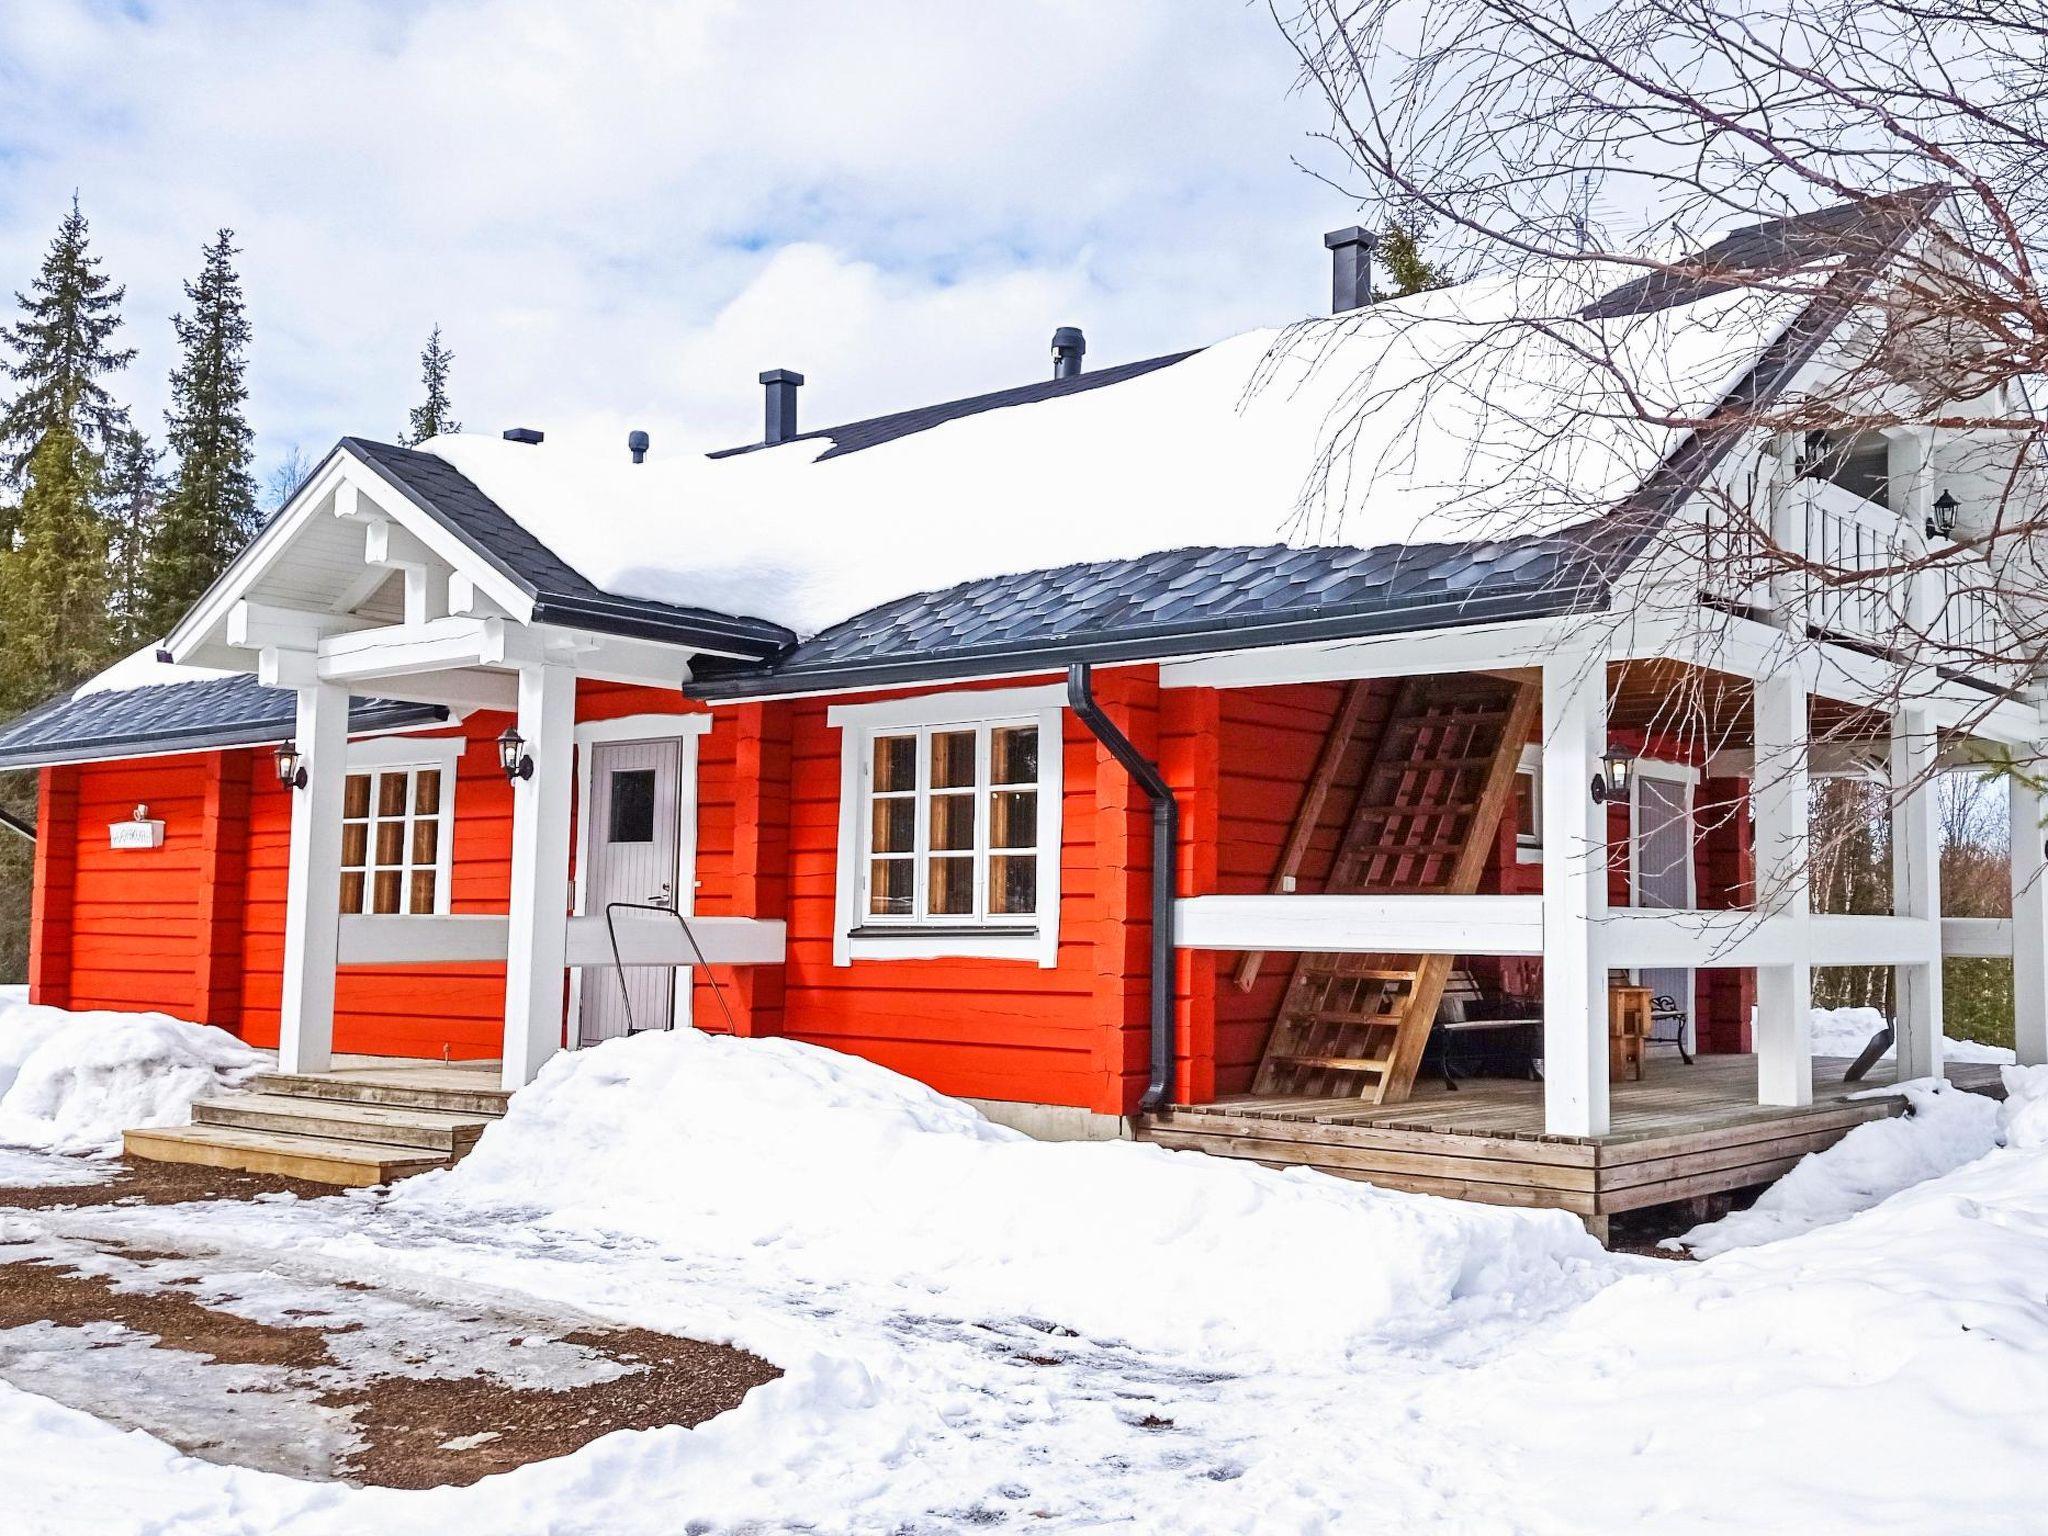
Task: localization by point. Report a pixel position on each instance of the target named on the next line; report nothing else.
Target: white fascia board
(342, 487)
(1473, 648)
(959, 706)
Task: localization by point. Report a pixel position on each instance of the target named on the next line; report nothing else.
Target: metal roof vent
(1350, 267)
(779, 422)
(636, 444)
(1068, 346)
(524, 435)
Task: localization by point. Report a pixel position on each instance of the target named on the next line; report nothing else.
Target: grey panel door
(635, 811)
(1663, 873)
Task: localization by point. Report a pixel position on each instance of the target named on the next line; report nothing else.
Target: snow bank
(1447, 416)
(143, 670)
(72, 1082)
(840, 1171)
(1944, 1129)
(1845, 1031)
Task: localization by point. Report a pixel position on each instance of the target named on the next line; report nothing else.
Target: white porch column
(1778, 791)
(312, 904)
(536, 958)
(2029, 917)
(1574, 897)
(1916, 889)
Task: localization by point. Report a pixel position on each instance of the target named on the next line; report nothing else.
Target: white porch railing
(644, 939)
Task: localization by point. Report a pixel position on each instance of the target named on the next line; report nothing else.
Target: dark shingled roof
(876, 430)
(1182, 601)
(176, 717)
(561, 594)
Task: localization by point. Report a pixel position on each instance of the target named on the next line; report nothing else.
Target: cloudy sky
(620, 212)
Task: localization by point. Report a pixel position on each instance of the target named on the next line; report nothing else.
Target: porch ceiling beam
(393, 650)
(254, 626)
(618, 658)
(458, 688)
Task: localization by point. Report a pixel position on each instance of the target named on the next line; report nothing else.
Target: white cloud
(621, 212)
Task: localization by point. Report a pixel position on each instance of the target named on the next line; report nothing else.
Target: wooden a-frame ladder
(1436, 784)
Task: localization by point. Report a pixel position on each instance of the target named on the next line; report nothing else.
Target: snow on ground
(1944, 1129)
(982, 1332)
(1845, 1031)
(72, 1082)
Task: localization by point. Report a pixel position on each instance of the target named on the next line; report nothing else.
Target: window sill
(935, 943)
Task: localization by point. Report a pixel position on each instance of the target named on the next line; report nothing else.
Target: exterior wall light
(512, 755)
(1611, 782)
(1941, 522)
(291, 767)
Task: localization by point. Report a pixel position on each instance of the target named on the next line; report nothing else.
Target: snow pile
(143, 670)
(1943, 1129)
(840, 1172)
(1454, 415)
(1883, 1373)
(2023, 1117)
(1845, 1031)
(72, 1082)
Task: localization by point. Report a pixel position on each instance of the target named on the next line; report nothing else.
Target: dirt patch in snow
(141, 1182)
(439, 1432)
(325, 1418)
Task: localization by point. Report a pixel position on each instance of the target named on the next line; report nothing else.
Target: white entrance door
(636, 809)
(1661, 871)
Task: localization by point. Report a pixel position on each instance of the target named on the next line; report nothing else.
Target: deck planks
(1679, 1132)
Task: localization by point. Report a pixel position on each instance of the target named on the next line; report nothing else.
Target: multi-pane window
(952, 825)
(393, 849)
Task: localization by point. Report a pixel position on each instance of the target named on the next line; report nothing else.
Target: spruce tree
(210, 510)
(131, 502)
(53, 587)
(432, 418)
(62, 352)
(1407, 268)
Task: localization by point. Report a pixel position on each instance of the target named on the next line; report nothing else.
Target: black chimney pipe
(636, 444)
(780, 424)
(1350, 267)
(1165, 873)
(527, 435)
(1068, 345)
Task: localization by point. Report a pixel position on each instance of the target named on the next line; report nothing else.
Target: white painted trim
(1916, 891)
(1467, 648)
(1419, 925)
(313, 884)
(646, 939)
(2027, 941)
(1980, 938)
(541, 810)
(418, 940)
(651, 726)
(1575, 1048)
(969, 706)
(1043, 706)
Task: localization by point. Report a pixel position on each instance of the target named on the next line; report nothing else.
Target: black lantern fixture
(291, 767)
(512, 755)
(1941, 522)
(1611, 782)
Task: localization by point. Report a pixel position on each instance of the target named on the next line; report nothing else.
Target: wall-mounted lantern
(291, 767)
(512, 755)
(1941, 522)
(1611, 782)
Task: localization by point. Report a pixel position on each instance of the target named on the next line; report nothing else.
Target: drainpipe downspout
(1165, 868)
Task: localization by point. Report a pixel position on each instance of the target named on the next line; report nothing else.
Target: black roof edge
(757, 639)
(247, 733)
(356, 447)
(1165, 643)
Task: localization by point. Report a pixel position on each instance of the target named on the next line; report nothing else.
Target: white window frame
(856, 935)
(385, 754)
(1531, 767)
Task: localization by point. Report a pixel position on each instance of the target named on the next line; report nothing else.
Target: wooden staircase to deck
(354, 1128)
(1436, 783)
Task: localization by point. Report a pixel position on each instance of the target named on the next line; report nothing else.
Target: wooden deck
(1683, 1131)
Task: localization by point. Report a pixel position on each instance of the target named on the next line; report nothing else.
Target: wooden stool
(1628, 1027)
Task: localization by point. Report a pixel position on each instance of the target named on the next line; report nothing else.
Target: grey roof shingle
(1184, 600)
(561, 593)
(176, 717)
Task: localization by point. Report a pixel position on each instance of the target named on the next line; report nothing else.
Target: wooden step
(318, 1159)
(432, 1130)
(353, 1089)
(1340, 1063)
